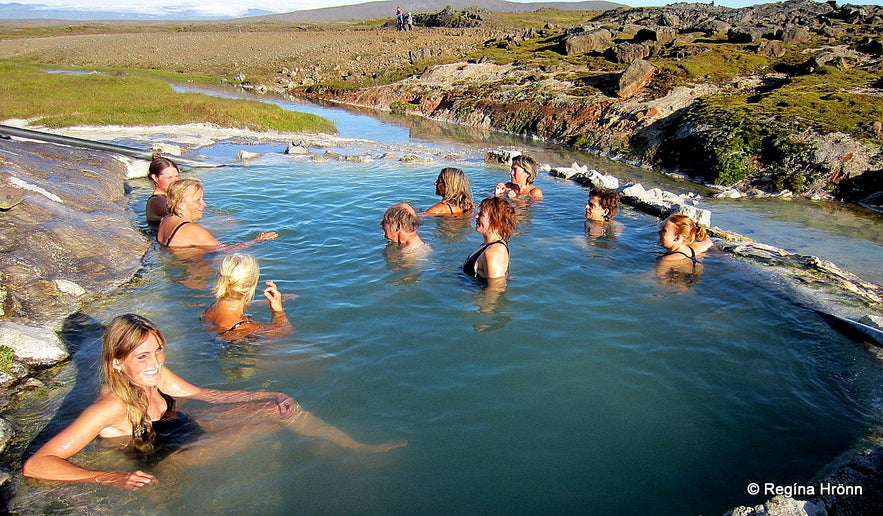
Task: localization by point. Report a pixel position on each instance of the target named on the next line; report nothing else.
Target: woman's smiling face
(192, 205)
(143, 364)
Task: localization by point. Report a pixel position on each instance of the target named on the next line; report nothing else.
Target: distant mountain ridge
(364, 11)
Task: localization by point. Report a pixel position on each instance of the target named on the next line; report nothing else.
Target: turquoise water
(586, 387)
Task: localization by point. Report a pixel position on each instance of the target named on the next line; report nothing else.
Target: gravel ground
(305, 55)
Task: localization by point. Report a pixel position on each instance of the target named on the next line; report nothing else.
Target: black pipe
(89, 144)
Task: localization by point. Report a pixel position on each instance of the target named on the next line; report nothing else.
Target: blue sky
(238, 8)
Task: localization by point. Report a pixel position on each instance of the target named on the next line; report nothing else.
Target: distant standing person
(453, 186)
(162, 172)
(410, 24)
(522, 175)
(400, 19)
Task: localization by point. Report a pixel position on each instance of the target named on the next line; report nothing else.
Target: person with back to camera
(179, 229)
(453, 187)
(495, 221)
(522, 175)
(237, 282)
(136, 406)
(162, 172)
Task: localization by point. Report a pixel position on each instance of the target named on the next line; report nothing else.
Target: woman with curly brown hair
(495, 221)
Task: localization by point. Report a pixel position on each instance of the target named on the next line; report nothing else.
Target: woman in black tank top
(495, 221)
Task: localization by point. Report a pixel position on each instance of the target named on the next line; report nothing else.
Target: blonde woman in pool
(685, 243)
(522, 175)
(453, 187)
(237, 283)
(180, 229)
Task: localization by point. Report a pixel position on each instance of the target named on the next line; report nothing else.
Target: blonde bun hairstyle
(237, 277)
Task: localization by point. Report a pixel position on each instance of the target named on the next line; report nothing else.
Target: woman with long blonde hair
(453, 187)
(137, 405)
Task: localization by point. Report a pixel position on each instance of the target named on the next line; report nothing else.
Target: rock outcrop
(67, 241)
(639, 113)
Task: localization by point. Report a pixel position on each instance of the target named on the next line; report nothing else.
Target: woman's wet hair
(528, 164)
(501, 215)
(180, 190)
(457, 189)
(607, 199)
(237, 277)
(157, 165)
(402, 216)
(687, 228)
(121, 336)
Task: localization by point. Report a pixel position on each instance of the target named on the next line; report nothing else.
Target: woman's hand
(267, 235)
(128, 481)
(500, 189)
(273, 296)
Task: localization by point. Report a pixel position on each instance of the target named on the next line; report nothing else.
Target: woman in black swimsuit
(683, 238)
(179, 229)
(685, 242)
(163, 172)
(495, 221)
(453, 187)
(135, 398)
(237, 282)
